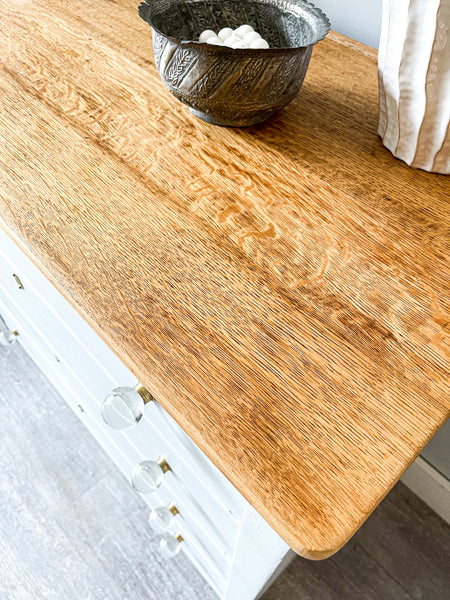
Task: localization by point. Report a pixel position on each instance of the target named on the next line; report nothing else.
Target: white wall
(359, 19)
(437, 453)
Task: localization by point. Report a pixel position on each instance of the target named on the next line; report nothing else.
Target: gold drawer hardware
(19, 283)
(163, 464)
(173, 509)
(144, 393)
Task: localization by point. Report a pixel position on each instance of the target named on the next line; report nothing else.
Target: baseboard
(431, 487)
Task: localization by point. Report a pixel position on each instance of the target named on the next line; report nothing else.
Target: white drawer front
(101, 370)
(83, 369)
(205, 545)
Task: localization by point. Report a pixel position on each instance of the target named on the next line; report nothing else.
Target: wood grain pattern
(281, 290)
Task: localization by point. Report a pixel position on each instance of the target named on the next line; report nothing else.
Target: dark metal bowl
(232, 87)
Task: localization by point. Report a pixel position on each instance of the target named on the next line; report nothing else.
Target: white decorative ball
(249, 37)
(231, 40)
(259, 44)
(208, 33)
(214, 41)
(225, 33)
(239, 44)
(243, 30)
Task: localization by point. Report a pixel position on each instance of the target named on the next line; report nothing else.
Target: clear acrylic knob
(170, 545)
(123, 408)
(147, 476)
(8, 337)
(162, 518)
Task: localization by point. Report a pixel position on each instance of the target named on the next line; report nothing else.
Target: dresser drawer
(83, 369)
(201, 525)
(65, 330)
(83, 380)
(78, 345)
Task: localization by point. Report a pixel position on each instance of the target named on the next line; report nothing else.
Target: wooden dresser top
(281, 290)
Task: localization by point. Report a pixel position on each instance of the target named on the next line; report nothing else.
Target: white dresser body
(229, 543)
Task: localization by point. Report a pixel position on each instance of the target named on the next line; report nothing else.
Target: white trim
(259, 557)
(431, 487)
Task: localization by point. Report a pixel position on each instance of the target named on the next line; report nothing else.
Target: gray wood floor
(72, 529)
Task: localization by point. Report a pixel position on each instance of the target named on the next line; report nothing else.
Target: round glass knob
(162, 518)
(123, 408)
(170, 545)
(7, 338)
(147, 476)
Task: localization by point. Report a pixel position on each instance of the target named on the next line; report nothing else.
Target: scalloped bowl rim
(222, 49)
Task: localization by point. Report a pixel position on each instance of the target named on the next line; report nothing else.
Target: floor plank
(411, 542)
(72, 529)
(402, 552)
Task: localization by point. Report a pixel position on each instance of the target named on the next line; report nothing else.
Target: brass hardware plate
(163, 464)
(144, 393)
(19, 283)
(173, 509)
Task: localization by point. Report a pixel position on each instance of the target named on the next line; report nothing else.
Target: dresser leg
(260, 556)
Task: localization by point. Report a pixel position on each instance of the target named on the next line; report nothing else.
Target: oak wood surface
(282, 290)
(70, 522)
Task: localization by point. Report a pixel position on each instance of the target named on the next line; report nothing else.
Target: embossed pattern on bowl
(226, 86)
